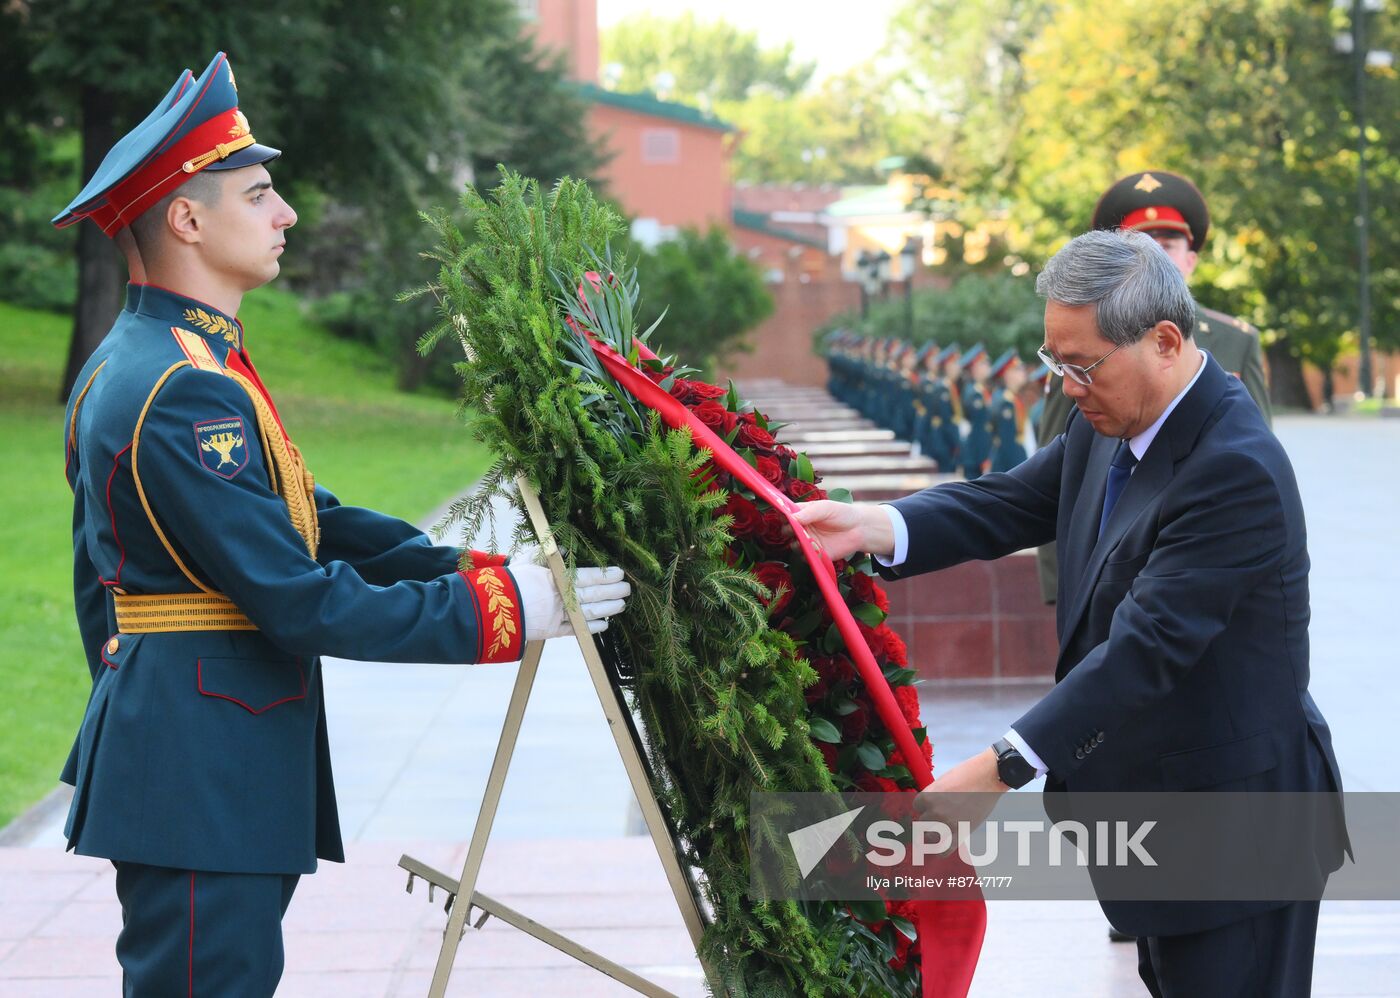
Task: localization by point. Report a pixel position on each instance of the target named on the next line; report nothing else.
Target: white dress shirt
(1138, 444)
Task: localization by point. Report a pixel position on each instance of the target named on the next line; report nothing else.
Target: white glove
(602, 592)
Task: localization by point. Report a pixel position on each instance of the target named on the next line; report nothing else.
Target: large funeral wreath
(731, 662)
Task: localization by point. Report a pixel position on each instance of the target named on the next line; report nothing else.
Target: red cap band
(1155, 217)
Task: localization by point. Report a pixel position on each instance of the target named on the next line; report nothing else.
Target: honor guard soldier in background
(1040, 380)
(211, 572)
(923, 384)
(977, 445)
(1172, 211)
(946, 409)
(1006, 414)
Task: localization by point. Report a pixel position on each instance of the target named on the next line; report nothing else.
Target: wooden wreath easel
(463, 896)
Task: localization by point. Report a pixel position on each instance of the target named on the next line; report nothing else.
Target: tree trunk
(1286, 385)
(100, 266)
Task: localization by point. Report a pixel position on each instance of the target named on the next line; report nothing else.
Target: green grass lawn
(369, 443)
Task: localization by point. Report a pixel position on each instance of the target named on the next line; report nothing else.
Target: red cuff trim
(496, 603)
(484, 559)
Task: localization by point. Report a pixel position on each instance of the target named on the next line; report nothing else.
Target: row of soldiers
(962, 409)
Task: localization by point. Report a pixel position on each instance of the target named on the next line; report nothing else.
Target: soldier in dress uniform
(211, 572)
(1040, 380)
(923, 386)
(977, 446)
(1171, 210)
(1006, 413)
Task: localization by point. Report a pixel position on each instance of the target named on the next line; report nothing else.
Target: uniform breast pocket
(256, 685)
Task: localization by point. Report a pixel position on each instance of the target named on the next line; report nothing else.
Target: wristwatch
(1012, 767)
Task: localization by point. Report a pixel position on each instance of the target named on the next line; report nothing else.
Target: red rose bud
(834, 669)
(748, 521)
(775, 577)
(770, 469)
(828, 752)
(682, 390)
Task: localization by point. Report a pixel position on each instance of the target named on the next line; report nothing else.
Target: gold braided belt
(147, 614)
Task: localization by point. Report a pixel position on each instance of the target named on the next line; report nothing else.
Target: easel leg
(471, 867)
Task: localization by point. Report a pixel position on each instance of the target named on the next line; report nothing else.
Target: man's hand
(602, 593)
(842, 529)
(967, 792)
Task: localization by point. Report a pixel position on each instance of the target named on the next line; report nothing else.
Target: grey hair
(1127, 276)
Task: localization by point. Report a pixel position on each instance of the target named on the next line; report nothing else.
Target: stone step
(876, 464)
(870, 488)
(820, 451)
(833, 436)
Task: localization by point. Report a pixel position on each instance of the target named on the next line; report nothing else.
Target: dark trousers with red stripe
(189, 932)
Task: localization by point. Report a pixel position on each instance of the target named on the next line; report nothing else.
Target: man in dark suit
(1183, 655)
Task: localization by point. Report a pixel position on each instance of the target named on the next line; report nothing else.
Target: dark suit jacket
(1183, 630)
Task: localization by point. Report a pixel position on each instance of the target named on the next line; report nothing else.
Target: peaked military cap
(197, 126)
(951, 352)
(1041, 373)
(1155, 201)
(925, 350)
(972, 354)
(1000, 365)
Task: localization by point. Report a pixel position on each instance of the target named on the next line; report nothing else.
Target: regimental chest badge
(222, 445)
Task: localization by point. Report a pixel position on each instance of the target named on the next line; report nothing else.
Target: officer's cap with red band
(197, 126)
(1155, 201)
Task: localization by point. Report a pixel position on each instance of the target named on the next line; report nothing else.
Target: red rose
(775, 529)
(748, 521)
(713, 415)
(682, 390)
(908, 699)
(869, 783)
(774, 577)
(770, 469)
(753, 435)
(855, 724)
(704, 391)
(834, 670)
(801, 491)
(862, 588)
(902, 948)
(828, 752)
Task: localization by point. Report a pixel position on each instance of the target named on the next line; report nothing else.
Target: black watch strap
(1012, 767)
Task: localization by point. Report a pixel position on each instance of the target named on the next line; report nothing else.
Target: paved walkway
(412, 745)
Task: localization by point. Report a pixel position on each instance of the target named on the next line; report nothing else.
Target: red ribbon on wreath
(950, 931)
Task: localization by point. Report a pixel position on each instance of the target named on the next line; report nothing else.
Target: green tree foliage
(711, 295)
(380, 107)
(707, 61)
(1246, 97)
(793, 127)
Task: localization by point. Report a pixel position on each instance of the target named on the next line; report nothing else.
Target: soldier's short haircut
(204, 187)
(1129, 279)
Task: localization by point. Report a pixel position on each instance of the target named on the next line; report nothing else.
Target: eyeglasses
(1073, 371)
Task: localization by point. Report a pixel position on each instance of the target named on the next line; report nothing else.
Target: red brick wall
(782, 345)
(980, 620)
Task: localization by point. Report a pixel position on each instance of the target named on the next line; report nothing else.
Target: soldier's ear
(185, 220)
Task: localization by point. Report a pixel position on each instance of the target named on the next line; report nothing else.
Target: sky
(823, 30)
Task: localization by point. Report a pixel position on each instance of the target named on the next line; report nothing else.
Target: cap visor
(251, 156)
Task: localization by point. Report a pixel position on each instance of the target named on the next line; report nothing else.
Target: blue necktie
(1118, 474)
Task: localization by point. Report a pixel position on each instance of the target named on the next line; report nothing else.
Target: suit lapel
(1173, 442)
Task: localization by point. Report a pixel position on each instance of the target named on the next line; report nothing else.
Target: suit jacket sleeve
(1225, 535)
(994, 515)
(237, 532)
